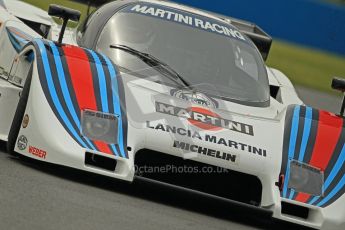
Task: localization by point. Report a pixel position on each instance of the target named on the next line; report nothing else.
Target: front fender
(74, 79)
(66, 80)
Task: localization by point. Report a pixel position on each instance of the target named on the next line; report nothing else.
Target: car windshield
(204, 51)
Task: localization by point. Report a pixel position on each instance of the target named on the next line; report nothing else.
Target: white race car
(174, 94)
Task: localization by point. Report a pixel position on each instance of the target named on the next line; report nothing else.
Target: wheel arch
(28, 52)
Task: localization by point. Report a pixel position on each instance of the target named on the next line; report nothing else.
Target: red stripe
(328, 133)
(81, 77)
(302, 197)
(103, 147)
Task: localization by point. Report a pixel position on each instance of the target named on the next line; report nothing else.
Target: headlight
(99, 126)
(306, 178)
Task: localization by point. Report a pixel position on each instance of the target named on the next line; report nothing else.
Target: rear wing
(261, 39)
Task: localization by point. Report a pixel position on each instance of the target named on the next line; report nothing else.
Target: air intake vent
(295, 210)
(100, 162)
(199, 176)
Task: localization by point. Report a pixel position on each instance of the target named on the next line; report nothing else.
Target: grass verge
(305, 66)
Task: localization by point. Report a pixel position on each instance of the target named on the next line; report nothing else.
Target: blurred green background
(304, 66)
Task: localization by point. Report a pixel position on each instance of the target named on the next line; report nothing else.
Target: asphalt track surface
(41, 196)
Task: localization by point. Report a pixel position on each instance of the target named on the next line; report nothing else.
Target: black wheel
(19, 114)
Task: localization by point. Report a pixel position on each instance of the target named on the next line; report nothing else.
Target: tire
(18, 116)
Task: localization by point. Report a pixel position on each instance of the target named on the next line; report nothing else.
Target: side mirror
(64, 13)
(339, 84)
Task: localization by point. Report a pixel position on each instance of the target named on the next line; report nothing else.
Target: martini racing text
(207, 119)
(188, 19)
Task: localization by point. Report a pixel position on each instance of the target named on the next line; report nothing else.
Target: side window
(39, 28)
(20, 68)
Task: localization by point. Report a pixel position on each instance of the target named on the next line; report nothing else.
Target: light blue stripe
(337, 188)
(17, 41)
(292, 145)
(292, 192)
(20, 39)
(102, 82)
(53, 93)
(114, 149)
(65, 90)
(335, 171)
(21, 32)
(116, 101)
(312, 201)
(306, 133)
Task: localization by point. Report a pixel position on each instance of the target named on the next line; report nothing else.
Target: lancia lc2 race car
(172, 93)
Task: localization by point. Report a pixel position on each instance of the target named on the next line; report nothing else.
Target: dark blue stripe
(102, 82)
(292, 146)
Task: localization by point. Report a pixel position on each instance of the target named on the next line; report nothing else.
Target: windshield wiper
(154, 62)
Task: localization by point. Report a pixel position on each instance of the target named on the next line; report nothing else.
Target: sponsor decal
(204, 118)
(91, 113)
(194, 97)
(99, 126)
(37, 152)
(25, 122)
(188, 19)
(205, 151)
(208, 138)
(22, 142)
(306, 166)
